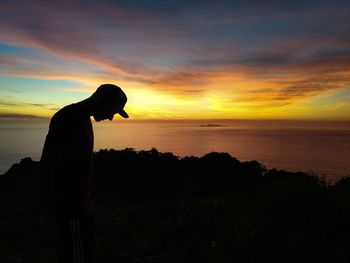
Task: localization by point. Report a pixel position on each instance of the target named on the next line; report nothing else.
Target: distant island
(157, 207)
(211, 125)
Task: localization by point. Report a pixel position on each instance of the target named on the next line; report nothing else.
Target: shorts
(75, 239)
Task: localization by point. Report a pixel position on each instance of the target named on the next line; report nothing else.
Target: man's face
(103, 116)
(104, 112)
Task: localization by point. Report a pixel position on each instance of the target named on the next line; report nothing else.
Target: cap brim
(123, 114)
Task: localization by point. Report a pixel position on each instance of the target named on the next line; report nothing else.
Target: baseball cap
(114, 96)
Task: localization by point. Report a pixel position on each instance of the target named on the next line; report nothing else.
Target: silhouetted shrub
(157, 206)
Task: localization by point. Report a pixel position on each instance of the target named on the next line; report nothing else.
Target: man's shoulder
(66, 113)
(68, 116)
(63, 117)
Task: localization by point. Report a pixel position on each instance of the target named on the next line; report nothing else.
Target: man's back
(67, 161)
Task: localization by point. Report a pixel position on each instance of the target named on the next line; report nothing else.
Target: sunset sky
(178, 59)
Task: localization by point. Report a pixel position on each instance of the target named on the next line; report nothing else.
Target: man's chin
(97, 119)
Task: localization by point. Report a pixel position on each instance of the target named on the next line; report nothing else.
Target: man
(66, 165)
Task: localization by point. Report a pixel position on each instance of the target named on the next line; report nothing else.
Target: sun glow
(246, 67)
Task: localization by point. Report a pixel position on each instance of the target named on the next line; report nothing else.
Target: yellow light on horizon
(222, 96)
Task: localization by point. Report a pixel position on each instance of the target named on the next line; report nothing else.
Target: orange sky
(178, 60)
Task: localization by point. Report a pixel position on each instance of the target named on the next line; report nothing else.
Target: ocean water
(317, 146)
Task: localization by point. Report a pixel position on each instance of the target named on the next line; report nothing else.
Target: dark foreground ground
(155, 207)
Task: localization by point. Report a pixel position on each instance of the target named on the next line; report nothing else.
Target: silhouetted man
(66, 164)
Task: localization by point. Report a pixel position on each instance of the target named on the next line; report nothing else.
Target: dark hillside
(156, 207)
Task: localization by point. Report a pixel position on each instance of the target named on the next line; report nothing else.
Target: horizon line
(36, 118)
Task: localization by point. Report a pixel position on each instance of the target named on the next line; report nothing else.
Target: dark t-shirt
(67, 162)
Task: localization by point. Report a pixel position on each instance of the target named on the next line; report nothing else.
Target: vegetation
(156, 207)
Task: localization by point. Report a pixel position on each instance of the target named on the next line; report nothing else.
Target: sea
(319, 147)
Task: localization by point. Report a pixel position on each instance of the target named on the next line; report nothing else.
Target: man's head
(108, 99)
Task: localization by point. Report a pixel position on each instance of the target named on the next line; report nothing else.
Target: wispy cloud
(268, 55)
(21, 104)
(18, 116)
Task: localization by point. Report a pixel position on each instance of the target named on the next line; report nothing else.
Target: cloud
(275, 53)
(18, 116)
(25, 104)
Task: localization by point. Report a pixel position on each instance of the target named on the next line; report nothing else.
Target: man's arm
(46, 176)
(50, 159)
